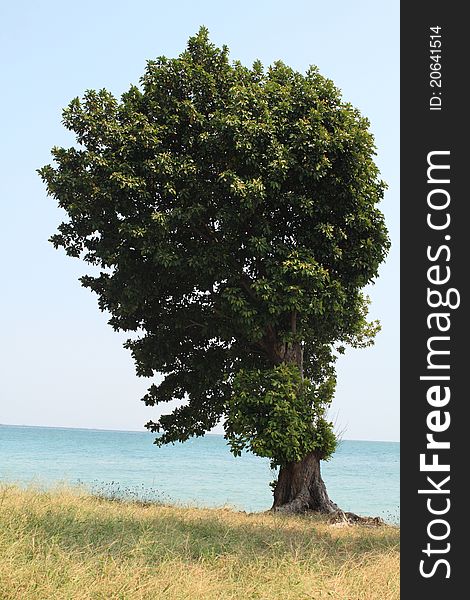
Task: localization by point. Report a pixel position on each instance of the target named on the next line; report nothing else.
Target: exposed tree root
(300, 489)
(350, 518)
(337, 516)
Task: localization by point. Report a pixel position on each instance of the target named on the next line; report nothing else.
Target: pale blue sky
(62, 365)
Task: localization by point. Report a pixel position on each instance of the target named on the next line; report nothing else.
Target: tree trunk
(300, 488)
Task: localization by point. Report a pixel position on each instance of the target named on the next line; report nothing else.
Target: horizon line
(146, 431)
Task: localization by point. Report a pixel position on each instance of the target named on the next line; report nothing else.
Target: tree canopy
(232, 215)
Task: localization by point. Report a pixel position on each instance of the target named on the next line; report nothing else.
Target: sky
(62, 364)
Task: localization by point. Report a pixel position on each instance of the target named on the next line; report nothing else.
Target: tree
(231, 212)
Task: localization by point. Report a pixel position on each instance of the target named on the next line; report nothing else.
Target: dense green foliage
(276, 413)
(232, 214)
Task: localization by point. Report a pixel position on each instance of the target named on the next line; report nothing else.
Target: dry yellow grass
(66, 545)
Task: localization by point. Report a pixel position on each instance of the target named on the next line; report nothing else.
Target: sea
(362, 476)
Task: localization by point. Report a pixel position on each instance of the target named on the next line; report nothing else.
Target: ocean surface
(362, 476)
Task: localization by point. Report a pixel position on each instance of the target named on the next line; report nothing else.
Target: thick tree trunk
(300, 488)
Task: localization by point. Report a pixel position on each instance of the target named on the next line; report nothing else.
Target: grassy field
(72, 546)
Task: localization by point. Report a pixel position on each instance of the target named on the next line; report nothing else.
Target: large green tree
(232, 214)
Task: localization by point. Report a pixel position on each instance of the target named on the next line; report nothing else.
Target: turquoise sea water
(362, 476)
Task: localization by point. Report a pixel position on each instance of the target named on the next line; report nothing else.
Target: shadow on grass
(154, 534)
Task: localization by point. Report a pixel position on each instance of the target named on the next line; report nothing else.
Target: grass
(68, 545)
